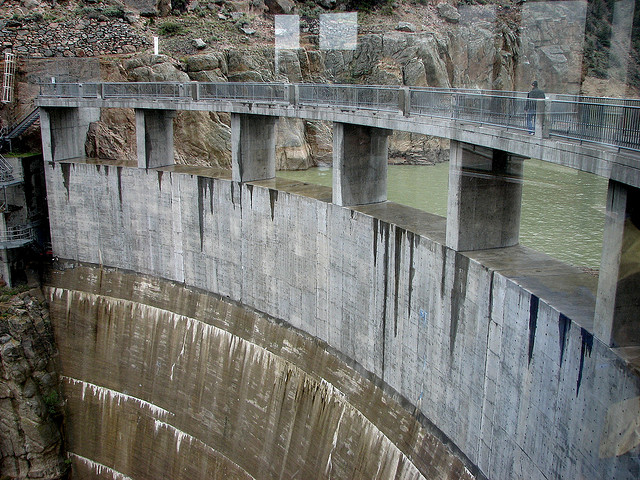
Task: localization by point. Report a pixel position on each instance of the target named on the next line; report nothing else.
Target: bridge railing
(251, 92)
(606, 121)
(488, 109)
(603, 123)
(145, 90)
(60, 90)
(355, 96)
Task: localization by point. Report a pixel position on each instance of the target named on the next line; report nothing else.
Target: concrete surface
(360, 163)
(609, 162)
(485, 198)
(479, 343)
(253, 147)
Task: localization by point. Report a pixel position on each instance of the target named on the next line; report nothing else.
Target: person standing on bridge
(531, 106)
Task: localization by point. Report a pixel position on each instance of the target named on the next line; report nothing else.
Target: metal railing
(606, 121)
(6, 170)
(487, 109)
(355, 96)
(249, 92)
(146, 90)
(16, 236)
(602, 123)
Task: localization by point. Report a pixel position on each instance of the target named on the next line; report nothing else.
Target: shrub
(170, 28)
(113, 12)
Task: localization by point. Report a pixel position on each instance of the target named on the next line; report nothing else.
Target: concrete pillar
(360, 163)
(253, 147)
(154, 138)
(64, 131)
(617, 315)
(485, 197)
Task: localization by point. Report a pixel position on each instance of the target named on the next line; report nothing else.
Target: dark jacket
(530, 106)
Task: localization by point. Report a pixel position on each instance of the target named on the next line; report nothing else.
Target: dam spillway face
(163, 381)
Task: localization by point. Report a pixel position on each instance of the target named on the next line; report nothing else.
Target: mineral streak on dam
(216, 328)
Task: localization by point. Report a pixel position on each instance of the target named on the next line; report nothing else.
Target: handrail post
(404, 100)
(195, 91)
(543, 118)
(293, 93)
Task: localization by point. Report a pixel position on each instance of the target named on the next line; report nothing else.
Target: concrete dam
(216, 328)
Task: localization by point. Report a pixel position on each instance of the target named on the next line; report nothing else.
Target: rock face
(552, 37)
(113, 137)
(30, 433)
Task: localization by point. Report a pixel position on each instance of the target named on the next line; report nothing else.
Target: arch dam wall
(219, 329)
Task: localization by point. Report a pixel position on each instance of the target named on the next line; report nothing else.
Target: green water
(562, 209)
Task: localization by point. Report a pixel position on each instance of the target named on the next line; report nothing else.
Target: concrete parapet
(64, 131)
(485, 197)
(360, 159)
(154, 138)
(253, 147)
(618, 302)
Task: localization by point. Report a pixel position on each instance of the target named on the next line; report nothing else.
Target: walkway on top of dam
(596, 135)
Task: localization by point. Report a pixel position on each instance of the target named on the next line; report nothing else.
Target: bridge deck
(601, 136)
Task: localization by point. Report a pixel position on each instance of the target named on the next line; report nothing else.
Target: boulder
(292, 151)
(414, 73)
(112, 140)
(406, 27)
(289, 65)
(319, 137)
(209, 61)
(205, 139)
(435, 68)
(158, 72)
(278, 7)
(448, 12)
(199, 44)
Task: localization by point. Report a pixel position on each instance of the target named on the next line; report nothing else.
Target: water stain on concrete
(66, 173)
(587, 345)
(205, 184)
(273, 198)
(564, 325)
(385, 295)
(458, 297)
(413, 243)
(533, 323)
(120, 186)
(250, 188)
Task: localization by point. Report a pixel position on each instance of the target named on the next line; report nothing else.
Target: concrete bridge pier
(485, 197)
(64, 131)
(360, 163)
(154, 137)
(617, 314)
(253, 147)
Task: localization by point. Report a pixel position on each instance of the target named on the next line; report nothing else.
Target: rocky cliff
(30, 405)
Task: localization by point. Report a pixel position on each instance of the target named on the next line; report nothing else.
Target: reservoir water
(562, 209)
